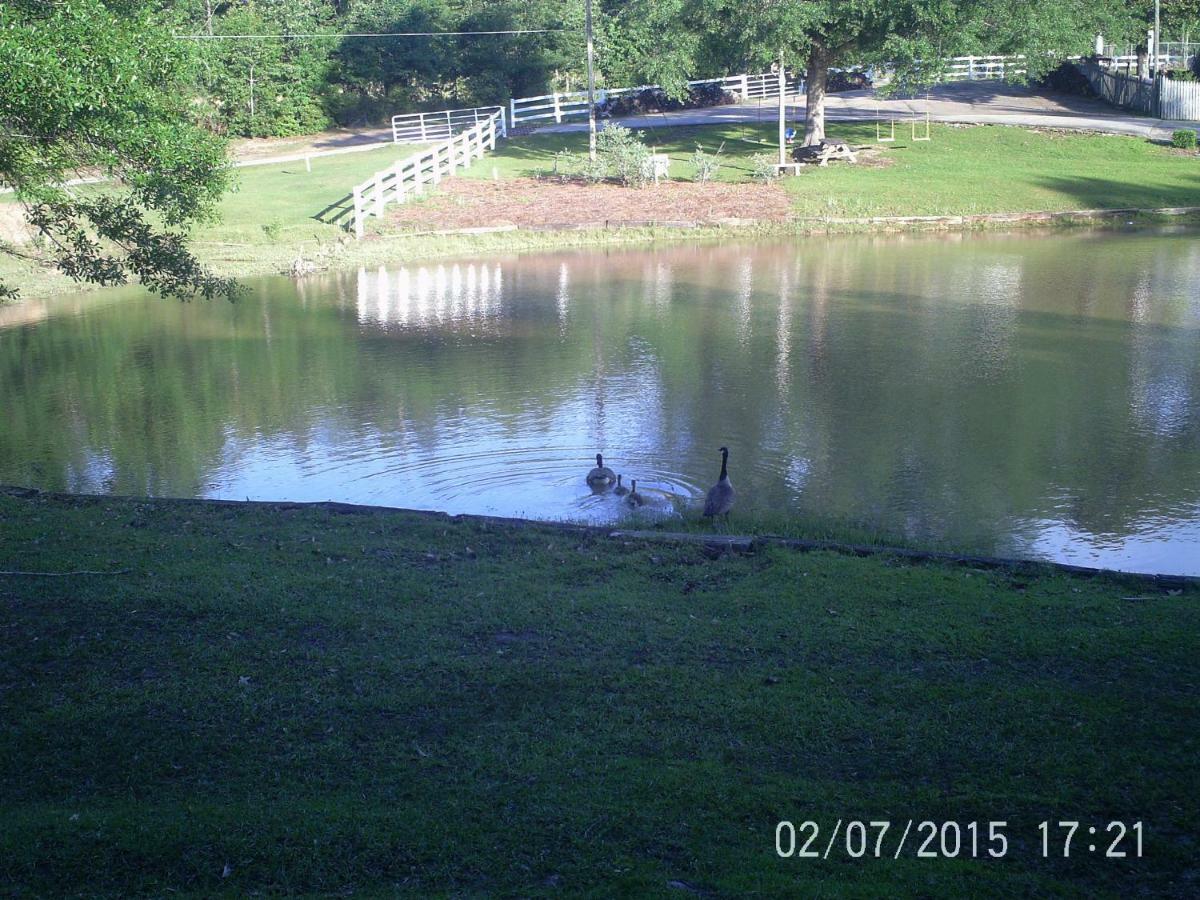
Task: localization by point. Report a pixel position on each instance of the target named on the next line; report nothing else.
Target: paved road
(980, 102)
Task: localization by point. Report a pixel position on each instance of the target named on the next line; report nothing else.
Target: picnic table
(822, 153)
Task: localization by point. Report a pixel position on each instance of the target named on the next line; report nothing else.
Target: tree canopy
(100, 88)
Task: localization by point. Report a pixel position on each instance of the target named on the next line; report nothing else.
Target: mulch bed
(549, 203)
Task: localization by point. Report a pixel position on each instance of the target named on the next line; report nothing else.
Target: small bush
(1184, 139)
(273, 229)
(764, 167)
(627, 158)
(706, 164)
(570, 166)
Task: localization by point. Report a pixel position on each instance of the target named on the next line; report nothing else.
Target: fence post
(449, 126)
(970, 68)
(745, 87)
(437, 163)
(503, 124)
(424, 139)
(358, 212)
(557, 108)
(512, 111)
(398, 171)
(379, 197)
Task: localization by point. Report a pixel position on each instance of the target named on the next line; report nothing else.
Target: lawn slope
(282, 699)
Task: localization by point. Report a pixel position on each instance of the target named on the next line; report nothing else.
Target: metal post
(591, 83)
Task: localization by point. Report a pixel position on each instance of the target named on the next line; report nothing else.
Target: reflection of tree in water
(934, 386)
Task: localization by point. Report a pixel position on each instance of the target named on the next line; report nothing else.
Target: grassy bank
(268, 222)
(270, 699)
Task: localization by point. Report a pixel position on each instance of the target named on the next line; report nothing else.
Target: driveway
(979, 102)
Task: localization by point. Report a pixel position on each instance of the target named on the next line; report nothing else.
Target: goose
(634, 498)
(602, 476)
(620, 490)
(720, 496)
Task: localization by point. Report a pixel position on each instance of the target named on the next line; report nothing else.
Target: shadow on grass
(1109, 193)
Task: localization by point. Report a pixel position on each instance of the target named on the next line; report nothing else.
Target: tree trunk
(814, 104)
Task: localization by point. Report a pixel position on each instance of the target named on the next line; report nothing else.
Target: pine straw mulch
(549, 203)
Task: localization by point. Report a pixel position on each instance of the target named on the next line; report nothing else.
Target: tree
(913, 34)
(95, 87)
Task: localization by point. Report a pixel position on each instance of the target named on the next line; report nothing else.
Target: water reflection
(1013, 394)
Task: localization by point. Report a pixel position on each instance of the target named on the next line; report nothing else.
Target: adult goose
(602, 476)
(720, 496)
(620, 490)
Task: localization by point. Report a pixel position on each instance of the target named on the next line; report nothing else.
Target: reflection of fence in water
(429, 295)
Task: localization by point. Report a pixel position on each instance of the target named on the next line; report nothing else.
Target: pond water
(1034, 395)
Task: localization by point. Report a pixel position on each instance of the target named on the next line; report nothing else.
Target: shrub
(1184, 139)
(764, 167)
(1067, 79)
(272, 229)
(655, 99)
(626, 156)
(706, 164)
(570, 166)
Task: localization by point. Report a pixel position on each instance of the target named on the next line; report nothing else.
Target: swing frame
(879, 138)
(914, 121)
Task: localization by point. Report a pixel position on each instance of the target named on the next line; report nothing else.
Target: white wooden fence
(560, 107)
(1178, 99)
(409, 177)
(423, 127)
(982, 68)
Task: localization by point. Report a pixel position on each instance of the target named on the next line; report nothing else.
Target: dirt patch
(546, 203)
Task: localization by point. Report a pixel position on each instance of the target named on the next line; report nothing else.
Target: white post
(437, 163)
(970, 68)
(424, 139)
(503, 124)
(358, 213)
(379, 197)
(398, 173)
(557, 108)
(512, 110)
(449, 127)
(745, 86)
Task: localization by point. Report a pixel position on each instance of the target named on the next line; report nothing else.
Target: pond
(1032, 394)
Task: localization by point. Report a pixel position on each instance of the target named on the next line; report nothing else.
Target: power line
(397, 34)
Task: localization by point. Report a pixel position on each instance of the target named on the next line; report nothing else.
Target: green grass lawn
(286, 196)
(270, 700)
(961, 170)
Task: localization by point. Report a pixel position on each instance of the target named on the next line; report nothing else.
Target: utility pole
(782, 80)
(591, 86)
(1157, 36)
